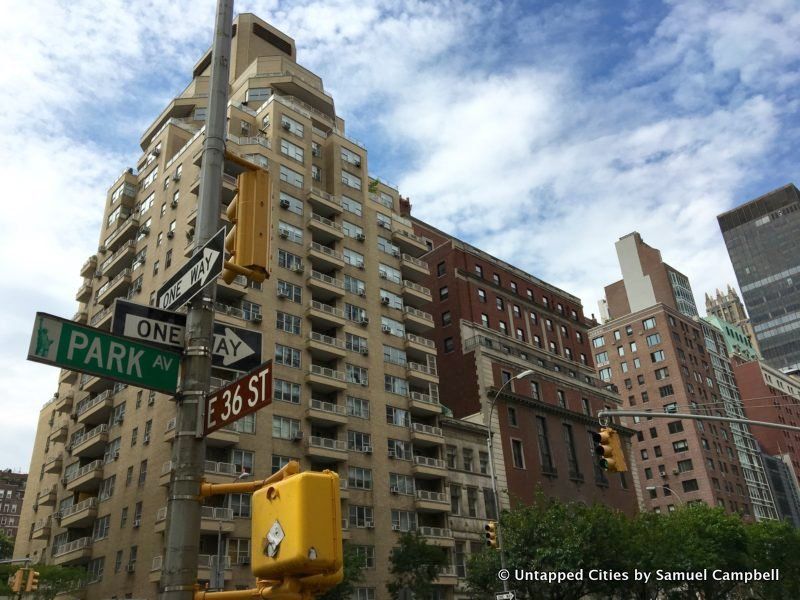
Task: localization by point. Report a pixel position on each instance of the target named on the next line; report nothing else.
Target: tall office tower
(728, 307)
(12, 492)
(785, 489)
(747, 448)
(655, 353)
(761, 236)
(355, 378)
(494, 322)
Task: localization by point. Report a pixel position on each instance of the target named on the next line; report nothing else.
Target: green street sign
(67, 344)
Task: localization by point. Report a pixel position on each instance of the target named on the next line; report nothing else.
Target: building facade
(356, 385)
(12, 492)
(761, 237)
(770, 395)
(493, 322)
(737, 342)
(655, 352)
(785, 489)
(728, 308)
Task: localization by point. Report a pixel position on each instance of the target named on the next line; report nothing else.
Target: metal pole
(182, 539)
(665, 415)
(219, 569)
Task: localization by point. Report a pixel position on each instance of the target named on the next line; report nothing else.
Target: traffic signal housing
(247, 240)
(297, 529)
(33, 581)
(608, 447)
(16, 580)
(491, 534)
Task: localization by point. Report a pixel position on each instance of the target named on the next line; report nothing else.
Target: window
(666, 391)
(479, 271)
(503, 327)
(285, 428)
(403, 520)
(287, 260)
(489, 504)
(359, 478)
(366, 554)
(633, 346)
(351, 180)
(649, 323)
(562, 400)
(657, 356)
(352, 230)
(690, 485)
(101, 528)
(94, 570)
(358, 375)
(240, 504)
(466, 454)
(680, 446)
(481, 296)
(242, 461)
(353, 206)
(142, 472)
(685, 465)
(472, 501)
(545, 458)
(500, 304)
(291, 177)
(401, 484)
(284, 355)
(398, 416)
(512, 416)
(288, 323)
(441, 269)
(357, 407)
(107, 488)
(278, 462)
(662, 373)
(292, 126)
(605, 374)
(449, 345)
(168, 259)
(358, 441)
(455, 499)
(484, 319)
(517, 454)
(444, 292)
(291, 150)
(598, 342)
(290, 291)
(653, 339)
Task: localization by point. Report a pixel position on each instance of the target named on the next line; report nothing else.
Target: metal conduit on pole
(182, 535)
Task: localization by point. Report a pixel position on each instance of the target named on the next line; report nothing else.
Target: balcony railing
(327, 308)
(316, 247)
(327, 340)
(78, 544)
(421, 341)
(415, 261)
(92, 433)
(409, 235)
(84, 470)
(418, 313)
(427, 398)
(101, 315)
(420, 368)
(427, 429)
(425, 461)
(85, 405)
(416, 287)
(323, 221)
(87, 504)
(438, 532)
(327, 443)
(431, 496)
(117, 254)
(221, 468)
(326, 372)
(327, 279)
(328, 407)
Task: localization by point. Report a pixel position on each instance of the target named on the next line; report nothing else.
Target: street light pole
(489, 435)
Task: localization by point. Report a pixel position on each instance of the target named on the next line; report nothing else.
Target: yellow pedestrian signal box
(33, 581)
(609, 449)
(248, 238)
(297, 528)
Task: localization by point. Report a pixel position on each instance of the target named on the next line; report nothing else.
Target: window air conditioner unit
(130, 567)
(283, 294)
(392, 454)
(357, 163)
(383, 275)
(285, 203)
(286, 125)
(297, 436)
(363, 350)
(367, 449)
(384, 300)
(283, 233)
(396, 253)
(674, 472)
(101, 248)
(174, 204)
(170, 234)
(369, 524)
(364, 321)
(144, 230)
(256, 318)
(361, 237)
(137, 522)
(386, 329)
(156, 151)
(384, 225)
(146, 439)
(116, 454)
(394, 490)
(299, 269)
(176, 177)
(395, 527)
(244, 561)
(362, 293)
(360, 265)
(365, 383)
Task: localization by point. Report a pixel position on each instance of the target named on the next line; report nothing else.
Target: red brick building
(494, 321)
(770, 395)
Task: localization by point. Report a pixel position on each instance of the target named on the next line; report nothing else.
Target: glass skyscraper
(763, 240)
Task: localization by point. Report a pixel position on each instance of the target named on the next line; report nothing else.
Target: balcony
(221, 438)
(234, 290)
(95, 410)
(81, 317)
(166, 473)
(118, 286)
(53, 464)
(426, 467)
(59, 434)
(95, 384)
(345, 528)
(323, 203)
(89, 267)
(426, 435)
(325, 379)
(92, 443)
(212, 519)
(447, 576)
(424, 404)
(126, 231)
(41, 529)
(73, 553)
(324, 286)
(81, 514)
(344, 490)
(409, 242)
(413, 293)
(84, 292)
(326, 413)
(47, 496)
(426, 501)
(324, 229)
(325, 315)
(118, 261)
(325, 347)
(205, 564)
(324, 257)
(437, 536)
(422, 374)
(416, 320)
(219, 472)
(67, 376)
(64, 401)
(326, 449)
(86, 479)
(413, 268)
(102, 320)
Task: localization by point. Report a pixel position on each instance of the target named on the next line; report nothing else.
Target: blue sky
(540, 132)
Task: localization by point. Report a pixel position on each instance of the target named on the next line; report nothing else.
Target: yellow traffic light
(491, 534)
(16, 580)
(297, 528)
(33, 581)
(248, 238)
(609, 449)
